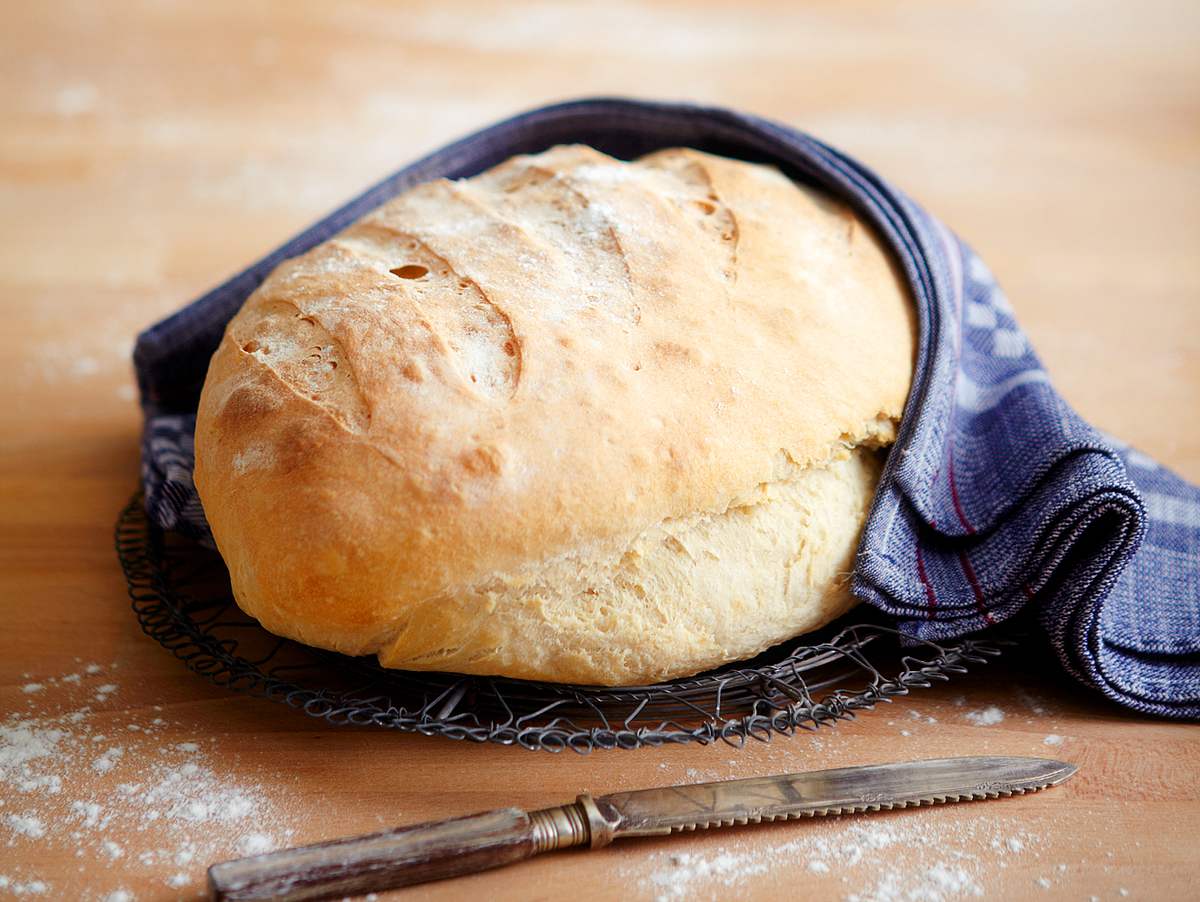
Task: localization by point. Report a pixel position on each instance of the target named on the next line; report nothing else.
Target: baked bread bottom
(775, 564)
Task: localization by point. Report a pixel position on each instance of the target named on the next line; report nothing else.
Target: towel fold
(997, 495)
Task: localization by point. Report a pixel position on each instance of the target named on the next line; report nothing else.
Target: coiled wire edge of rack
(180, 594)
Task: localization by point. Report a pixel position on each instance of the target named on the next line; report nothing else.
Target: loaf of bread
(573, 419)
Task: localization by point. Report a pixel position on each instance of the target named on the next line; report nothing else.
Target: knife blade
(436, 850)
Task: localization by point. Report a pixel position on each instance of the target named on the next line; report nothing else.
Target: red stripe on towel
(958, 508)
(974, 580)
(929, 593)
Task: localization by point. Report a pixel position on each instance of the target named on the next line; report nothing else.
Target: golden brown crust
(545, 361)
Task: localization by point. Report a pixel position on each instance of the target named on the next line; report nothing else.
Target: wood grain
(150, 149)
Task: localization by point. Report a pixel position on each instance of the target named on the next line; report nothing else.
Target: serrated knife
(463, 845)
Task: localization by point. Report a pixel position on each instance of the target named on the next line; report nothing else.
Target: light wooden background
(147, 150)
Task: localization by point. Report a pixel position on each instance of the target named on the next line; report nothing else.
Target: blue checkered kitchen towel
(997, 497)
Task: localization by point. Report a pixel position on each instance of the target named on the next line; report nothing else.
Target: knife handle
(406, 855)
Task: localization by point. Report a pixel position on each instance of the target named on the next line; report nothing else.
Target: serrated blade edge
(853, 809)
(854, 790)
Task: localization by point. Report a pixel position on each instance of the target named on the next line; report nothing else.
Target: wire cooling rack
(181, 596)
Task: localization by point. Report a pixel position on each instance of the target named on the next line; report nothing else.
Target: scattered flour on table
(942, 862)
(1032, 702)
(15, 886)
(940, 881)
(1053, 739)
(75, 99)
(986, 717)
(687, 868)
(256, 844)
(164, 808)
(103, 692)
(108, 760)
(26, 825)
(67, 359)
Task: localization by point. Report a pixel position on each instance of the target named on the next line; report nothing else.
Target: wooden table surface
(149, 149)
